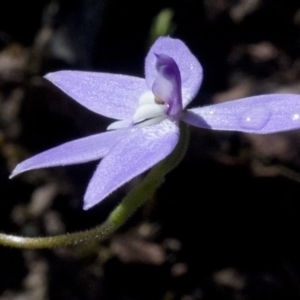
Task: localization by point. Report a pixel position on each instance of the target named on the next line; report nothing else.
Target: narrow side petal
(78, 151)
(139, 151)
(258, 114)
(112, 95)
(190, 69)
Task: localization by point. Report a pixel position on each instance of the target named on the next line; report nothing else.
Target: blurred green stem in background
(162, 24)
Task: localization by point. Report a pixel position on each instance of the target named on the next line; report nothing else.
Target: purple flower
(148, 112)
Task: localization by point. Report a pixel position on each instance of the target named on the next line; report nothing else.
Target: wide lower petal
(138, 152)
(190, 69)
(111, 95)
(258, 114)
(78, 151)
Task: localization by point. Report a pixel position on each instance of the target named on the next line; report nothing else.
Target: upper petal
(112, 95)
(139, 151)
(258, 114)
(189, 67)
(78, 151)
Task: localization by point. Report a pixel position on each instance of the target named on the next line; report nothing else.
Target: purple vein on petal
(86, 149)
(135, 154)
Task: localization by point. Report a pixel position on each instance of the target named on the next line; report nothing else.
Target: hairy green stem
(119, 215)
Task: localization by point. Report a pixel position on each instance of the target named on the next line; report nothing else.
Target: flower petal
(189, 67)
(139, 151)
(111, 95)
(78, 151)
(259, 114)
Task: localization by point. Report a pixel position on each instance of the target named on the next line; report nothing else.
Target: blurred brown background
(230, 232)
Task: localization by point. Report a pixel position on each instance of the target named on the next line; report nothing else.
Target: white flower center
(150, 111)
